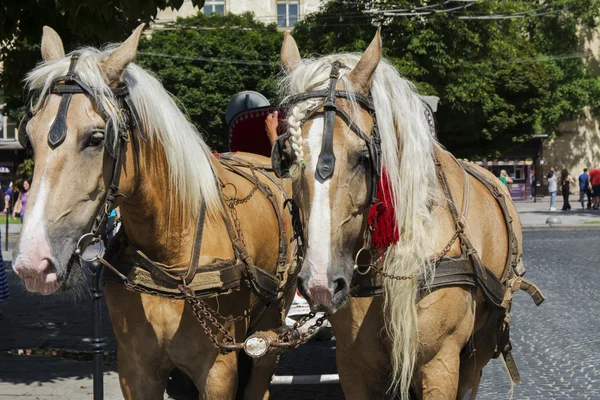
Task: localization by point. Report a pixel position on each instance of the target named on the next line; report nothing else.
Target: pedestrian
(505, 178)
(552, 188)
(565, 181)
(8, 199)
(532, 180)
(595, 182)
(112, 223)
(4, 292)
(22, 200)
(585, 189)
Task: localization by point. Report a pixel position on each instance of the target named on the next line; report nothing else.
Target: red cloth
(595, 177)
(382, 216)
(247, 131)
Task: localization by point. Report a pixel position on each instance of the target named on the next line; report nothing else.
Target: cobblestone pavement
(557, 346)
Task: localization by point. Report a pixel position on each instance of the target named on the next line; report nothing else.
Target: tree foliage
(78, 22)
(209, 60)
(499, 81)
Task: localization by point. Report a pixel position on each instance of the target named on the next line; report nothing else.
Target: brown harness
(207, 277)
(467, 268)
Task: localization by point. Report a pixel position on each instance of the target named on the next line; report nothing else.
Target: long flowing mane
(408, 157)
(187, 156)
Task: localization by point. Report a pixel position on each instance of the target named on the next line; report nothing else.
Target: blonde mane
(408, 157)
(188, 157)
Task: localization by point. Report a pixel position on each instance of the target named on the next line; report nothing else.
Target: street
(557, 346)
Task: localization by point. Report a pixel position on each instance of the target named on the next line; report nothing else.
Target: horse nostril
(339, 286)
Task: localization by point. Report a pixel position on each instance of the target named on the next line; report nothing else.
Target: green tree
(25, 169)
(499, 80)
(79, 22)
(205, 60)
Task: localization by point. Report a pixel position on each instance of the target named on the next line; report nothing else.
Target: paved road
(557, 345)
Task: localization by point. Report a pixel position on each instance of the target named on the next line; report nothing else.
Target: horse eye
(96, 139)
(365, 157)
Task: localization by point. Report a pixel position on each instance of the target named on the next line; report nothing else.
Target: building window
(287, 12)
(214, 6)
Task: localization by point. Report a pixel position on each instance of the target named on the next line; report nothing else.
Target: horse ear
(52, 45)
(116, 63)
(290, 56)
(360, 76)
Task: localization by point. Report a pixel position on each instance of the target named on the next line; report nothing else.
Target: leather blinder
(23, 137)
(279, 161)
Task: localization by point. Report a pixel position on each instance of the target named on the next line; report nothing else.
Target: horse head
(333, 151)
(350, 118)
(75, 128)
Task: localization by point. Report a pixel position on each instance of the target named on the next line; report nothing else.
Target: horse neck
(153, 215)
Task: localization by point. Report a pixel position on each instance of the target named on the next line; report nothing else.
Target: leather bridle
(326, 162)
(66, 86)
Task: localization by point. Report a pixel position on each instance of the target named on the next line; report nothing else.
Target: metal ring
(79, 251)
(357, 268)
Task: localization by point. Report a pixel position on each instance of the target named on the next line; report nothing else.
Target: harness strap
(490, 285)
(58, 129)
(193, 268)
(326, 162)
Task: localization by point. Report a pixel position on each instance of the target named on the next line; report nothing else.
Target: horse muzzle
(39, 277)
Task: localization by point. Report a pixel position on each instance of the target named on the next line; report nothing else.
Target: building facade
(577, 144)
(283, 12)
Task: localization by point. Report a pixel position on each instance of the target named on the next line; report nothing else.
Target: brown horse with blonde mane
(446, 281)
(105, 133)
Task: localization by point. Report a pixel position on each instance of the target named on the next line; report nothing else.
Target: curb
(561, 227)
(305, 379)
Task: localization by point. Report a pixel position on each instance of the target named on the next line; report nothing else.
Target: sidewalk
(534, 215)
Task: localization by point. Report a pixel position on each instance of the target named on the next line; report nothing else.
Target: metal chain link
(203, 313)
(437, 262)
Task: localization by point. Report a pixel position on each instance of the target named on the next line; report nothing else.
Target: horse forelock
(190, 170)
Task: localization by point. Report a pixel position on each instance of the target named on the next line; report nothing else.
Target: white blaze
(318, 256)
(32, 242)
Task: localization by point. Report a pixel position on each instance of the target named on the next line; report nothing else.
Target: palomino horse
(105, 133)
(349, 116)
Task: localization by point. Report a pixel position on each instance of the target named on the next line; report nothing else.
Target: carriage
(412, 255)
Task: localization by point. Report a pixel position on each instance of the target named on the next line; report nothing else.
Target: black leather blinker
(23, 138)
(326, 162)
(58, 129)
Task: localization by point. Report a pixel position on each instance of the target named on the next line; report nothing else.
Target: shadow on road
(36, 324)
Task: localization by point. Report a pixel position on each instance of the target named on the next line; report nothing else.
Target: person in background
(112, 226)
(505, 178)
(566, 180)
(585, 189)
(4, 292)
(8, 199)
(595, 182)
(271, 124)
(532, 180)
(552, 188)
(22, 200)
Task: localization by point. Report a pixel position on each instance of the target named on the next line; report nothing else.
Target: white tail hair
(407, 145)
(188, 157)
